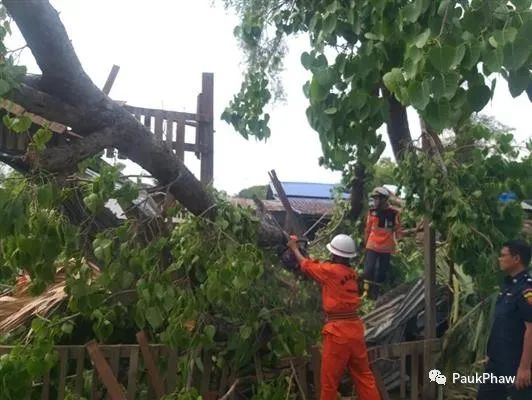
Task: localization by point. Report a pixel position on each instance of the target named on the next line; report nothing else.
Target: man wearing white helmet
(382, 229)
(343, 332)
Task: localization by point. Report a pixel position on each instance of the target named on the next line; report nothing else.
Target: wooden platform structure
(79, 372)
(167, 126)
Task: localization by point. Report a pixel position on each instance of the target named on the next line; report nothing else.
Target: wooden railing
(75, 372)
(167, 126)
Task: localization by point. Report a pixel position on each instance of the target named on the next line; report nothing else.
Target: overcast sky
(163, 46)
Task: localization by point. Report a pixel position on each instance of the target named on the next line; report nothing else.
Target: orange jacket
(382, 229)
(339, 294)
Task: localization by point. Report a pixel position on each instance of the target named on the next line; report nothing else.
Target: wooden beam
(114, 390)
(174, 115)
(294, 221)
(152, 370)
(110, 79)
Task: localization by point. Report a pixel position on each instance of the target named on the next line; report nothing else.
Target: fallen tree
(64, 93)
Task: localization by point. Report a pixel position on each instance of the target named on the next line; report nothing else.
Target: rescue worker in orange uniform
(383, 228)
(343, 332)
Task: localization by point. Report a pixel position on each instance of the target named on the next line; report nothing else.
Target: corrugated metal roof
(309, 190)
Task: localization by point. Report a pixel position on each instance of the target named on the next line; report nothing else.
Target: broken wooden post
(109, 152)
(110, 79)
(294, 222)
(429, 253)
(152, 370)
(114, 390)
(206, 128)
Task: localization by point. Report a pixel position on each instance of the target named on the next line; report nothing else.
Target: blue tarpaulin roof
(310, 190)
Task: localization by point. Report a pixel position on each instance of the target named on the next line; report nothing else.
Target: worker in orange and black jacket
(383, 228)
(343, 332)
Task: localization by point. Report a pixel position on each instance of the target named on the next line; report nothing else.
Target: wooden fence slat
(380, 383)
(46, 386)
(223, 381)
(80, 359)
(132, 374)
(11, 140)
(199, 129)
(147, 121)
(316, 369)
(402, 386)
(94, 385)
(104, 371)
(206, 376)
(258, 369)
(171, 371)
(179, 145)
(158, 126)
(414, 375)
(169, 130)
(115, 360)
(153, 372)
(302, 376)
(63, 368)
(155, 354)
(22, 141)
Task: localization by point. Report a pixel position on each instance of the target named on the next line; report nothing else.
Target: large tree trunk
(64, 93)
(357, 191)
(397, 126)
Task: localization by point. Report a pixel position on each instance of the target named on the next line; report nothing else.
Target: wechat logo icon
(436, 376)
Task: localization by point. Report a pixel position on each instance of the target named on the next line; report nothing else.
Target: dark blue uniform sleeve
(524, 303)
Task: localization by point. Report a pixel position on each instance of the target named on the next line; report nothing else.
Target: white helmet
(380, 191)
(342, 246)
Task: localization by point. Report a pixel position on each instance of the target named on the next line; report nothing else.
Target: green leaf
(41, 138)
(330, 110)
(458, 56)
(154, 317)
(442, 58)
(438, 115)
(373, 36)
(518, 81)
(445, 85)
(493, 60)
(516, 53)
(522, 5)
(329, 25)
(306, 60)
(478, 97)
(472, 55)
(318, 92)
(410, 68)
(393, 80)
(412, 11)
(20, 124)
(4, 87)
(45, 196)
(210, 331)
(67, 328)
(245, 332)
(422, 39)
(419, 94)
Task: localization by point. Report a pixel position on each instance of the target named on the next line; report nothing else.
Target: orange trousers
(339, 354)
